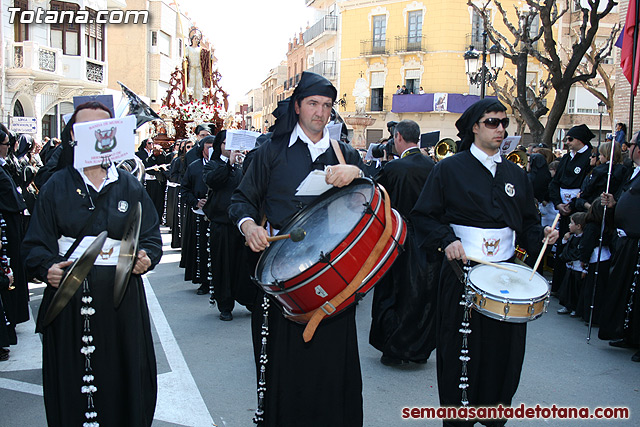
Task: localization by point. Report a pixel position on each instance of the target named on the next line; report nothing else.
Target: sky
(250, 37)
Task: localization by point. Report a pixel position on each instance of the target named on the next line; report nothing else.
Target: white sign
(509, 144)
(24, 125)
(112, 139)
(335, 130)
(440, 101)
(240, 140)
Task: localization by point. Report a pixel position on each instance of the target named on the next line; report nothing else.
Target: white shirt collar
(224, 158)
(2, 161)
(582, 150)
(487, 161)
(410, 148)
(315, 148)
(636, 170)
(112, 176)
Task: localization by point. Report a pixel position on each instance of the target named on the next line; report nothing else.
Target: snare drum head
(506, 284)
(327, 223)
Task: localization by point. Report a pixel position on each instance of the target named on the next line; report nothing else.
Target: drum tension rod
(326, 259)
(279, 284)
(370, 211)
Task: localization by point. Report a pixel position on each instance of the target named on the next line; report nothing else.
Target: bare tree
(603, 79)
(521, 43)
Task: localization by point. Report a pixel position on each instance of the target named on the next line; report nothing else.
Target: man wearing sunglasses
(475, 204)
(565, 186)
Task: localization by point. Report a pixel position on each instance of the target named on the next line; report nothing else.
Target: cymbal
(128, 253)
(74, 277)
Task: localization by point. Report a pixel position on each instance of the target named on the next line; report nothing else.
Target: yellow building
(418, 44)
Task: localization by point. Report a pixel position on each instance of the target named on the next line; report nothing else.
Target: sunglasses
(494, 122)
(7, 144)
(569, 139)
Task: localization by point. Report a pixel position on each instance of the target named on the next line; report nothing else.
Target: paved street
(206, 370)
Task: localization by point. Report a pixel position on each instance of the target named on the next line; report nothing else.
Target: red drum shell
(320, 282)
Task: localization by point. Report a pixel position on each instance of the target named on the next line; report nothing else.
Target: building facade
(45, 65)
(272, 92)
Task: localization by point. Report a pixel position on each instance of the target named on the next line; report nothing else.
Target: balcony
(374, 47)
(326, 69)
(452, 103)
(327, 25)
(95, 72)
(42, 61)
(410, 44)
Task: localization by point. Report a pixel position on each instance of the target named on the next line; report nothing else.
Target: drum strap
(314, 318)
(338, 151)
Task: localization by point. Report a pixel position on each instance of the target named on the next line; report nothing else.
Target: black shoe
(621, 343)
(392, 361)
(226, 316)
(636, 357)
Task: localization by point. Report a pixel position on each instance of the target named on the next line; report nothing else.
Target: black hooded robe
(404, 301)
(623, 267)
(195, 241)
(12, 206)
(229, 266)
(460, 190)
(314, 384)
(123, 363)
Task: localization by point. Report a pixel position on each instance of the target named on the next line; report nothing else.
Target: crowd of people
(222, 206)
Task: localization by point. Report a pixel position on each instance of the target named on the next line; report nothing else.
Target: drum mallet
(544, 247)
(296, 235)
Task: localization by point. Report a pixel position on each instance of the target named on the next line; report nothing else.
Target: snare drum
(509, 296)
(342, 228)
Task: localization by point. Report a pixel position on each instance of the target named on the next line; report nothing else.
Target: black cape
(403, 311)
(123, 363)
(329, 362)
(460, 190)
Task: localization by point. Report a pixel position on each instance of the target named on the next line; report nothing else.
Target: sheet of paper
(240, 140)
(509, 144)
(112, 139)
(334, 130)
(313, 185)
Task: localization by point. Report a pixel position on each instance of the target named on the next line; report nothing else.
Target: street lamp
(601, 106)
(477, 71)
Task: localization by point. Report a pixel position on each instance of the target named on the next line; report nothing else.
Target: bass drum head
(503, 284)
(327, 222)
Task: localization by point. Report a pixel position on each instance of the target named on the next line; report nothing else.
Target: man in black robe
(329, 363)
(620, 318)
(12, 207)
(471, 198)
(403, 312)
(565, 186)
(195, 243)
(155, 178)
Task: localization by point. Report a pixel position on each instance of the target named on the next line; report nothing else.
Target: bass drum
(342, 228)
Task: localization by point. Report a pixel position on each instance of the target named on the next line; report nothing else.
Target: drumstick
(296, 235)
(544, 247)
(492, 264)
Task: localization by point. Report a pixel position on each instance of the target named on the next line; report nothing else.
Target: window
(571, 106)
(379, 33)
(415, 27)
(65, 35)
(164, 43)
(180, 48)
(18, 111)
(377, 99)
(534, 29)
(154, 38)
(477, 28)
(21, 31)
(94, 37)
(374, 135)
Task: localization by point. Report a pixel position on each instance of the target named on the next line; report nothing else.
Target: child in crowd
(571, 286)
(588, 247)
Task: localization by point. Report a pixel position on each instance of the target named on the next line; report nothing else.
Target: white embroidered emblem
(510, 189)
(490, 247)
(577, 170)
(123, 206)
